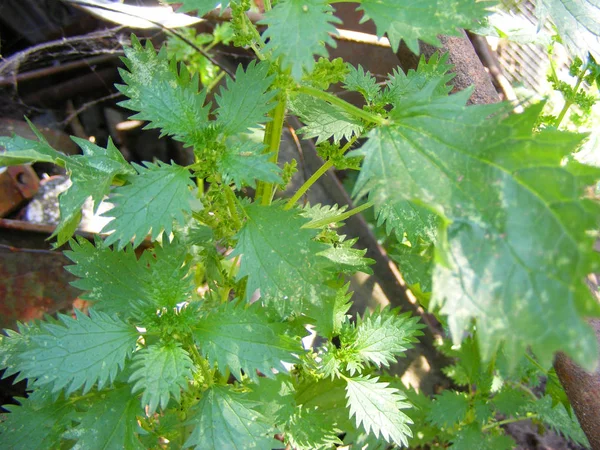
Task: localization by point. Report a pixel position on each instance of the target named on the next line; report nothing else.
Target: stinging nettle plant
(159, 363)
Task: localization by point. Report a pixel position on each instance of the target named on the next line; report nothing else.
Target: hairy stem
(231, 206)
(338, 218)
(200, 362)
(308, 183)
(524, 389)
(348, 107)
(214, 82)
(506, 421)
(569, 103)
(321, 171)
(273, 132)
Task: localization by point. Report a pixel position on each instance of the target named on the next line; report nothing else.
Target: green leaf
(274, 397)
(423, 432)
(308, 429)
(511, 401)
(318, 212)
(91, 175)
(324, 120)
(79, 352)
(161, 371)
(162, 95)
(509, 206)
(363, 82)
(158, 195)
(401, 84)
(245, 339)
(330, 314)
(244, 103)
(245, 162)
(469, 367)
(298, 30)
(37, 424)
(378, 407)
(347, 259)
(425, 20)
(470, 437)
(483, 409)
(201, 6)
(404, 217)
(577, 24)
(119, 283)
(19, 150)
(110, 422)
(13, 345)
(321, 414)
(560, 420)
(416, 264)
(279, 256)
(383, 335)
(225, 419)
(448, 409)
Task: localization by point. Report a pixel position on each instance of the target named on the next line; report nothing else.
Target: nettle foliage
(196, 341)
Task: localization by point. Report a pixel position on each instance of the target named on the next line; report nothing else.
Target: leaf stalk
(348, 107)
(308, 183)
(315, 176)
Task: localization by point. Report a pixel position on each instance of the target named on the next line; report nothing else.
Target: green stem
(338, 218)
(507, 421)
(536, 364)
(569, 103)
(214, 82)
(308, 183)
(273, 132)
(200, 361)
(324, 168)
(267, 5)
(258, 44)
(194, 351)
(524, 389)
(258, 53)
(348, 107)
(234, 264)
(225, 294)
(231, 206)
(563, 112)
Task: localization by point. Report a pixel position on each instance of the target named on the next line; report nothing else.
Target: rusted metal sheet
(17, 185)
(34, 283)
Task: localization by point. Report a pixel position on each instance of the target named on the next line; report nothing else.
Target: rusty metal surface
(17, 185)
(33, 282)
